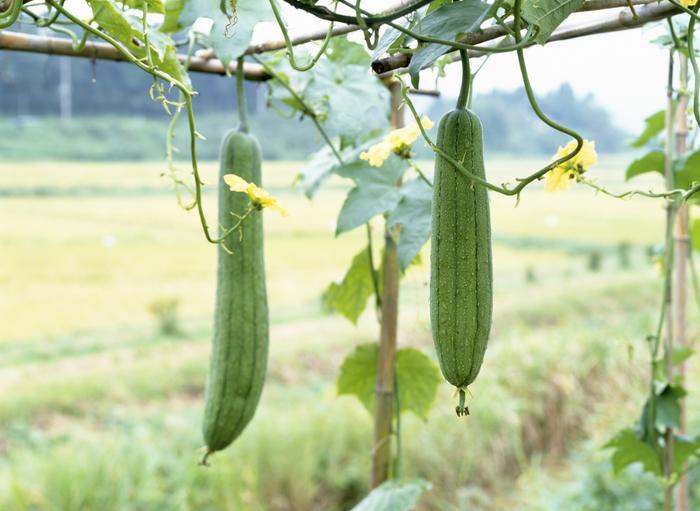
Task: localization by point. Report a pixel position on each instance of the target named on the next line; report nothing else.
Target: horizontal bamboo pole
(622, 20)
(15, 41)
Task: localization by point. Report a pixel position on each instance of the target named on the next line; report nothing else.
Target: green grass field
(100, 411)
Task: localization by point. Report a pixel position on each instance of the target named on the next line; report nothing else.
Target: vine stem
(288, 41)
(240, 97)
(465, 86)
(187, 93)
(529, 37)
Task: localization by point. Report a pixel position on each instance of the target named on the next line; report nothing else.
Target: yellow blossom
(397, 141)
(561, 177)
(689, 3)
(259, 197)
(376, 154)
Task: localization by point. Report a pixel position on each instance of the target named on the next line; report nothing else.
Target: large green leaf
(173, 9)
(349, 296)
(350, 102)
(445, 23)
(393, 496)
(376, 191)
(418, 378)
(652, 127)
(653, 161)
(229, 36)
(687, 172)
(629, 449)
(668, 406)
(127, 30)
(547, 15)
(413, 214)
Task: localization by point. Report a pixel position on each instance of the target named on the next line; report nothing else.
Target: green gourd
(461, 272)
(241, 325)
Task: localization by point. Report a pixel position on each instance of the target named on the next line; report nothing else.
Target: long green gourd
(461, 273)
(241, 326)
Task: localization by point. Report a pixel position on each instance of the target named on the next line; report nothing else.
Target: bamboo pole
(384, 388)
(16, 41)
(668, 345)
(623, 20)
(680, 280)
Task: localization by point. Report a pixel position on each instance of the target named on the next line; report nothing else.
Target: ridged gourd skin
(461, 269)
(241, 327)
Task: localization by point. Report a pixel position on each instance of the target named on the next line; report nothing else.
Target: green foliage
(654, 124)
(413, 215)
(547, 15)
(340, 92)
(393, 496)
(349, 296)
(445, 22)
(229, 36)
(687, 170)
(653, 161)
(418, 378)
(128, 31)
(375, 192)
(628, 449)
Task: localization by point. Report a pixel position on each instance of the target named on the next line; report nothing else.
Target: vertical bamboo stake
(680, 242)
(384, 390)
(668, 347)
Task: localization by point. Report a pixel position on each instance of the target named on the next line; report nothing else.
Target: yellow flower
(689, 3)
(561, 177)
(377, 154)
(259, 197)
(397, 141)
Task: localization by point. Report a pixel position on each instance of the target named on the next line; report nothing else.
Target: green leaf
(127, 30)
(390, 38)
(344, 52)
(668, 406)
(393, 496)
(629, 449)
(436, 4)
(653, 126)
(418, 378)
(229, 36)
(414, 215)
(651, 162)
(547, 15)
(173, 8)
(154, 6)
(376, 191)
(681, 354)
(688, 172)
(683, 449)
(346, 98)
(349, 296)
(445, 23)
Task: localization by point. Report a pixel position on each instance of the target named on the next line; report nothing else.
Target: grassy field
(101, 411)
